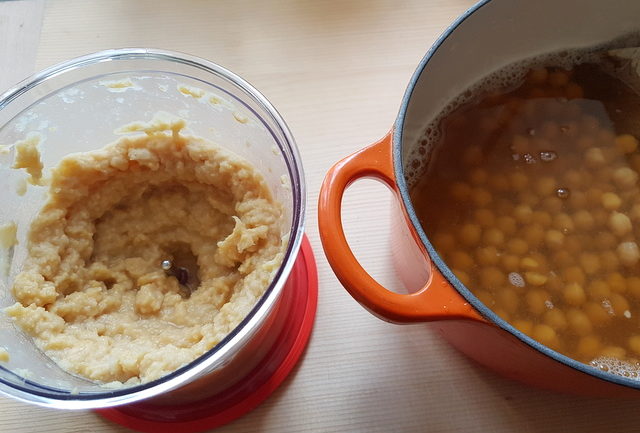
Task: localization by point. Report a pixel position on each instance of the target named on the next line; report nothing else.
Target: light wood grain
(20, 23)
(336, 70)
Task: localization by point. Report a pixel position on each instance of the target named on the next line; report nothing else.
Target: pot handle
(437, 300)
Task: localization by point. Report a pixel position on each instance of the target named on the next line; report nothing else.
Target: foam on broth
(501, 80)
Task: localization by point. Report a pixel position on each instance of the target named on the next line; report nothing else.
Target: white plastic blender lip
(217, 356)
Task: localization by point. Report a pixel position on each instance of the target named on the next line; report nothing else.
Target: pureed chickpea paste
(531, 197)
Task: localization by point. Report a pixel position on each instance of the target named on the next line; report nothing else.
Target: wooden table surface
(336, 70)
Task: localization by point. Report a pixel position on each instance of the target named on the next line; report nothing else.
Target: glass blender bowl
(75, 107)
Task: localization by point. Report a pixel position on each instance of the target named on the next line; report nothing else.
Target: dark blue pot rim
(486, 312)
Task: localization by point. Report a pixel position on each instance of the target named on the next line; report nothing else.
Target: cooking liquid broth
(531, 197)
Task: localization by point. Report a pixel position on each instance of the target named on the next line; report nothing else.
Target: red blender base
(300, 294)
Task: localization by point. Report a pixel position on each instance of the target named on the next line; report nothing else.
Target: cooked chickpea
(485, 217)
(594, 157)
(573, 244)
(519, 181)
(487, 255)
(462, 276)
(536, 300)
(499, 182)
(579, 322)
(509, 262)
(574, 294)
(590, 263)
(469, 234)
(596, 313)
(558, 78)
(492, 277)
(563, 222)
(509, 300)
(613, 352)
(481, 197)
(605, 137)
(583, 220)
(556, 319)
(554, 282)
(589, 346)
(542, 218)
(634, 162)
(634, 344)
(546, 186)
(524, 326)
(444, 241)
(478, 176)
(626, 143)
(635, 212)
(611, 201)
(620, 224)
(628, 253)
(460, 191)
(625, 177)
(543, 265)
(529, 198)
(528, 263)
(578, 200)
(538, 75)
(553, 239)
(616, 282)
(609, 261)
(606, 241)
(553, 205)
(574, 91)
(573, 178)
(472, 155)
(594, 196)
(493, 236)
(520, 144)
(534, 235)
(600, 216)
(535, 278)
(619, 304)
(460, 260)
(563, 259)
(507, 224)
(517, 246)
(503, 208)
(523, 214)
(549, 130)
(544, 334)
(574, 274)
(485, 297)
(502, 313)
(598, 290)
(633, 286)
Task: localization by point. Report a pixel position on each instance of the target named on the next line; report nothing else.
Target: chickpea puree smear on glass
(146, 255)
(531, 197)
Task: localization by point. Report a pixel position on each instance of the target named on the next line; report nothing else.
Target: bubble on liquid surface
(563, 192)
(516, 279)
(529, 158)
(548, 155)
(617, 366)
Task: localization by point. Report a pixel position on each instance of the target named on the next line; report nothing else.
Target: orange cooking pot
(490, 35)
